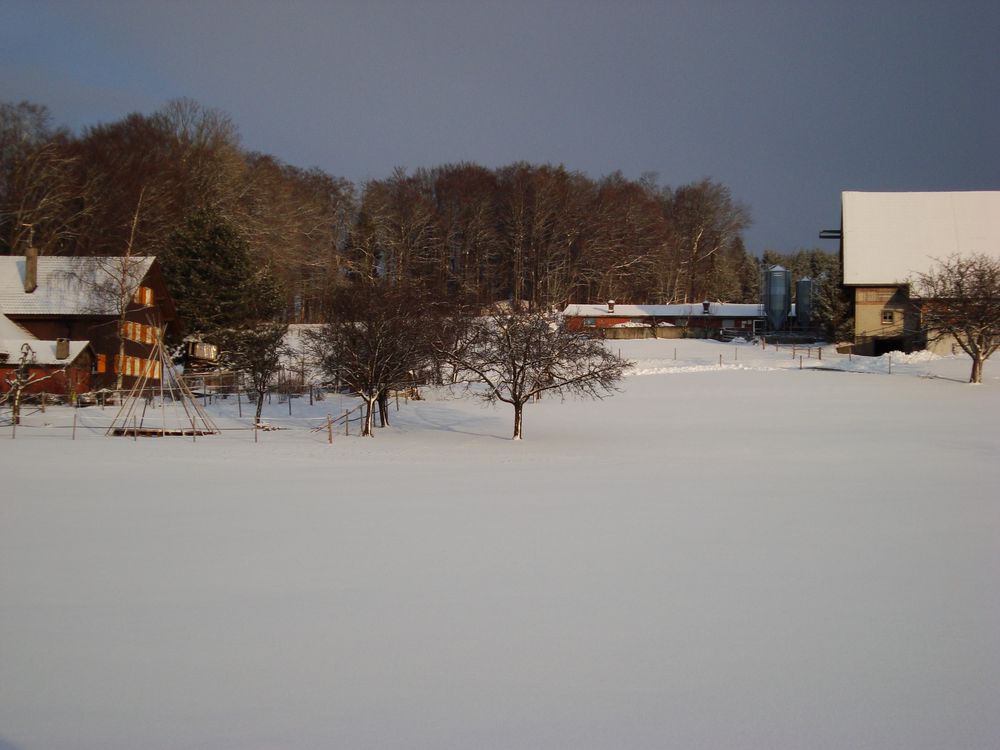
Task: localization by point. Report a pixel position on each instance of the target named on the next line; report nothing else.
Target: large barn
(704, 319)
(888, 238)
(77, 299)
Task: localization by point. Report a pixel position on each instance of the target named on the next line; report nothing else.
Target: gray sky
(787, 103)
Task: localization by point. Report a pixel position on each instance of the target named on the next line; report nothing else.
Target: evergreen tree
(214, 280)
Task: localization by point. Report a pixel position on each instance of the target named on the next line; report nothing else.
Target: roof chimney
(611, 305)
(705, 307)
(30, 269)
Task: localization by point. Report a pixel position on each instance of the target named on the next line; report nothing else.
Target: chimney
(705, 307)
(30, 269)
(62, 348)
(611, 305)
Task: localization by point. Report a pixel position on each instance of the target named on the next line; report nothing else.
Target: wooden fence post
(74, 425)
(329, 429)
(347, 422)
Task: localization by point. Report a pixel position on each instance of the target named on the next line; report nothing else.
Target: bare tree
(21, 379)
(116, 286)
(960, 299)
(520, 355)
(376, 338)
(256, 353)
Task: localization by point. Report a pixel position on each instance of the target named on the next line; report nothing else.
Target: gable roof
(66, 285)
(889, 237)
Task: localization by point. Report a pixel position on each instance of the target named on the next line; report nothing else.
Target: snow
(750, 555)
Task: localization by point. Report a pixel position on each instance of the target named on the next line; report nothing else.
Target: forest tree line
(282, 242)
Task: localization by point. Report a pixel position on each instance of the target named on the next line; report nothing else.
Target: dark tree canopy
(214, 281)
(543, 235)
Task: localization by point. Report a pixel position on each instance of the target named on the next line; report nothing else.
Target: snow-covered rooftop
(13, 337)
(715, 309)
(66, 286)
(889, 237)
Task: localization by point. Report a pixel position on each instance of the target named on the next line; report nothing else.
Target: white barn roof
(65, 285)
(889, 237)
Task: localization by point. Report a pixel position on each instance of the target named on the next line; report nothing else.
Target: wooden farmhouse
(98, 301)
(888, 238)
(701, 320)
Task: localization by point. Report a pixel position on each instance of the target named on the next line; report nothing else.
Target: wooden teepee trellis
(158, 407)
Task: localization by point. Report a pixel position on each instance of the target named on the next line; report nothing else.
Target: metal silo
(777, 296)
(803, 303)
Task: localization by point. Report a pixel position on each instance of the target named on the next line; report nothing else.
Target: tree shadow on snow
(447, 420)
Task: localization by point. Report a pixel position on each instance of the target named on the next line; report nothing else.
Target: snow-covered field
(744, 556)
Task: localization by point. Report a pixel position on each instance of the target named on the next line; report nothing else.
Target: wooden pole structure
(239, 401)
(329, 429)
(74, 425)
(347, 422)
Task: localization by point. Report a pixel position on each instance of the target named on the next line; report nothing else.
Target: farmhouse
(701, 320)
(103, 301)
(888, 238)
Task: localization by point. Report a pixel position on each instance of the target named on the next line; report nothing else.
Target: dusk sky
(786, 103)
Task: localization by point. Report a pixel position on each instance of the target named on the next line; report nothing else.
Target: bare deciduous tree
(960, 298)
(256, 353)
(376, 338)
(520, 355)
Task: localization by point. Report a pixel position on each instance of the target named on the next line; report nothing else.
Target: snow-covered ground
(739, 556)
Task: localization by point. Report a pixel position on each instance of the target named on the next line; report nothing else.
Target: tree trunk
(260, 407)
(518, 411)
(383, 409)
(366, 428)
(120, 364)
(977, 370)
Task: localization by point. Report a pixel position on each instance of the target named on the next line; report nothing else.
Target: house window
(888, 317)
(143, 296)
(589, 322)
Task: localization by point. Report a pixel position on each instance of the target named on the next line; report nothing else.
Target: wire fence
(44, 416)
